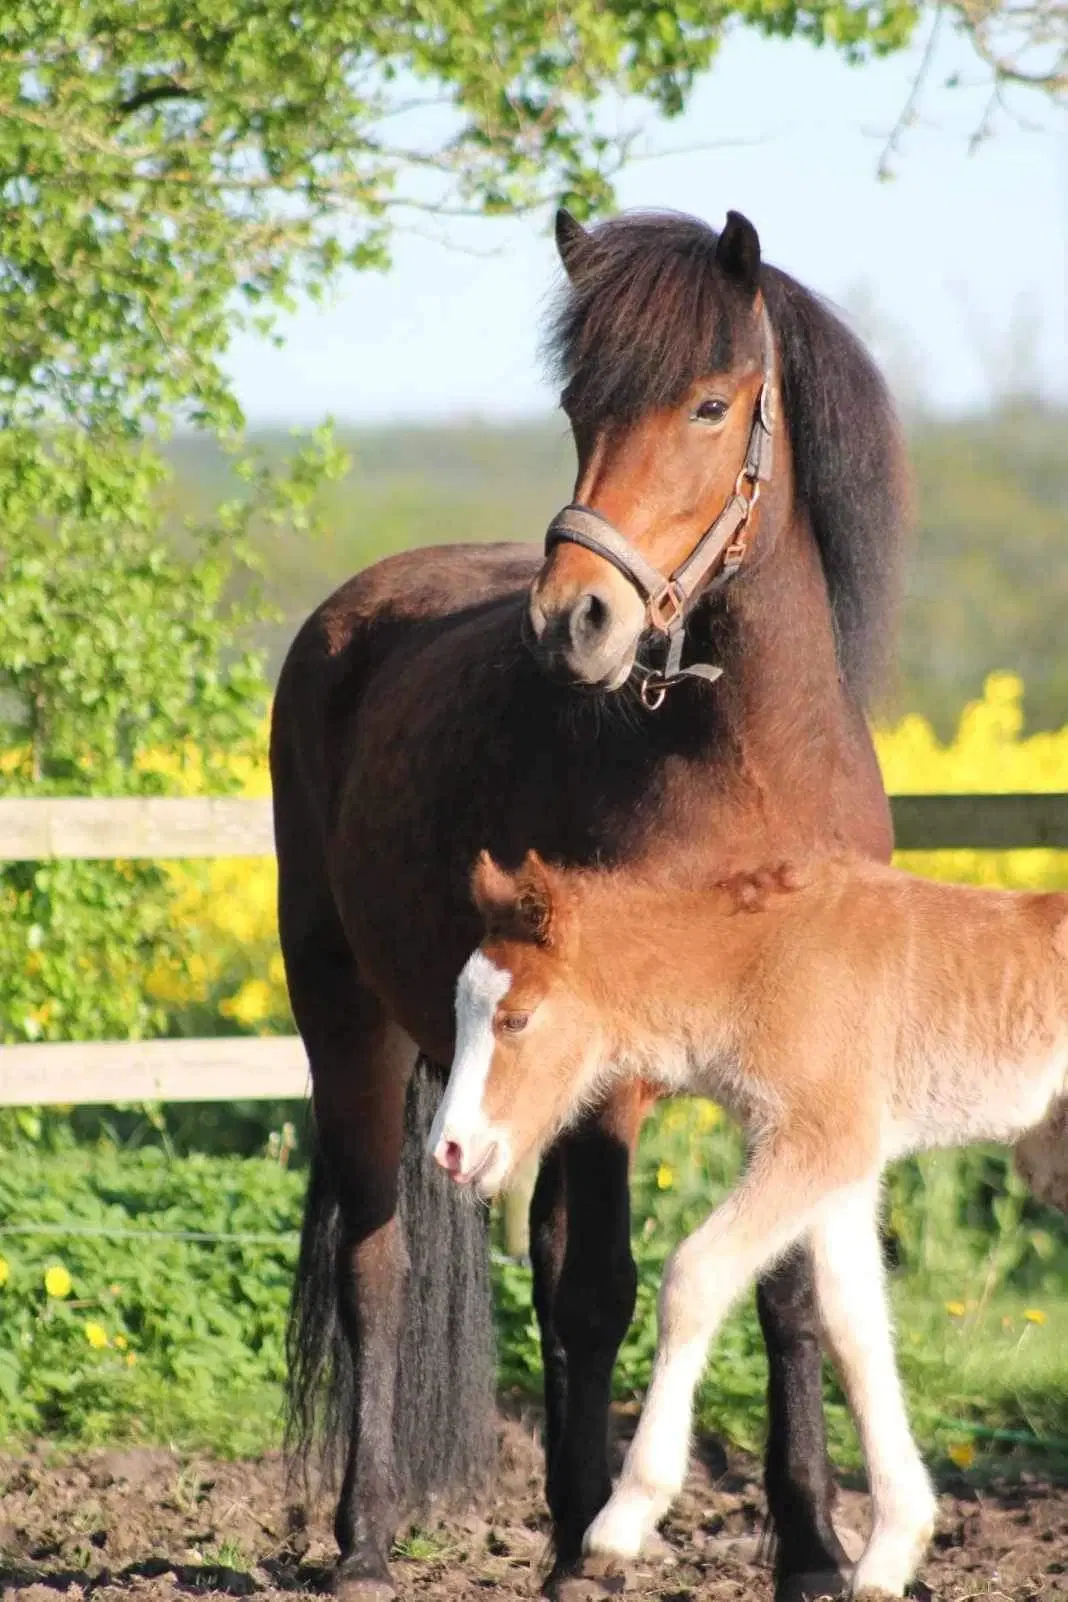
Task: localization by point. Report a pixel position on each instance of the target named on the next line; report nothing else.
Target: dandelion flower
(5, 1270)
(1034, 1315)
(955, 1309)
(665, 1177)
(57, 1281)
(962, 1453)
(121, 1342)
(96, 1335)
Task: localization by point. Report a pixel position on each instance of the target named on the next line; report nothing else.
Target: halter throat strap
(712, 563)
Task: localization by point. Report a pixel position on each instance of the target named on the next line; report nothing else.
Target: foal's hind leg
(584, 1289)
(852, 1297)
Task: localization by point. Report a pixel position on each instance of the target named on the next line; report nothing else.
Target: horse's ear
(514, 906)
(738, 252)
(571, 240)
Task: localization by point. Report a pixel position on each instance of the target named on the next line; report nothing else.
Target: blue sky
(956, 270)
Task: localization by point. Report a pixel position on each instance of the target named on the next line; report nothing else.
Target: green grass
(203, 1322)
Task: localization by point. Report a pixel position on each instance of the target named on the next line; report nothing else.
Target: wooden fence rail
(239, 826)
(245, 1069)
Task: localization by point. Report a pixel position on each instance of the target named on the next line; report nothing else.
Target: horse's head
(667, 357)
(530, 1043)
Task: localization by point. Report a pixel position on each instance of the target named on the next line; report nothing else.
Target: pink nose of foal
(449, 1154)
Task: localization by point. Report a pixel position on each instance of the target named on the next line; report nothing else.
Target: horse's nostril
(589, 619)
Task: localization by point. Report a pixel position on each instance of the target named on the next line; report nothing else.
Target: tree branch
(152, 94)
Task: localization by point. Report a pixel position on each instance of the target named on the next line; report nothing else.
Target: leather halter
(722, 547)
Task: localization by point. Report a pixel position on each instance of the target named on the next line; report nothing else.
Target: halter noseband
(669, 601)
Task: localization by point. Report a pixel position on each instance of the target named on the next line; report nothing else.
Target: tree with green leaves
(171, 173)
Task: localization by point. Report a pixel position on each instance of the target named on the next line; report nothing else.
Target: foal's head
(659, 341)
(531, 1042)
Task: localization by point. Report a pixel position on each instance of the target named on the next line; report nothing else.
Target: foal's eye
(510, 1023)
(710, 411)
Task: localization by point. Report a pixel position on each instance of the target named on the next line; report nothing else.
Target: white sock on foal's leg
(856, 1319)
(702, 1279)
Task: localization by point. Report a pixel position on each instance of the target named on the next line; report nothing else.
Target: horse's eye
(510, 1023)
(710, 411)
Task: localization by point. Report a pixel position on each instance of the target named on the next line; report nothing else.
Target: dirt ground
(147, 1525)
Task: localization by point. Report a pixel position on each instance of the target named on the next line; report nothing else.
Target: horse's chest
(411, 827)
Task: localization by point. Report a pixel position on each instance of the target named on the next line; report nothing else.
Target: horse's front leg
(798, 1478)
(584, 1289)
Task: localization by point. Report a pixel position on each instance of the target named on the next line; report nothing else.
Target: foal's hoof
(590, 1580)
(360, 1582)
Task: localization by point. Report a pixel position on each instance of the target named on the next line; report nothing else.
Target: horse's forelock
(644, 313)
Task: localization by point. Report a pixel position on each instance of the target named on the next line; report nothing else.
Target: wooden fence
(245, 1069)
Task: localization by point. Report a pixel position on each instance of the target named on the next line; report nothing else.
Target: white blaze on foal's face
(462, 1139)
(529, 1042)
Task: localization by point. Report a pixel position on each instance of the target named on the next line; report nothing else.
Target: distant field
(987, 584)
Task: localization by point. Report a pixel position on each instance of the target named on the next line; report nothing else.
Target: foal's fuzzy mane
(649, 311)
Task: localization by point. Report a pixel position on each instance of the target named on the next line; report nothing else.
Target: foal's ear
(514, 906)
(571, 240)
(738, 252)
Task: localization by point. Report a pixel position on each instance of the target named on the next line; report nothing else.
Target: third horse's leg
(584, 1287)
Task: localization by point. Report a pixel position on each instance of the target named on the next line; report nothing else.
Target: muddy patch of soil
(150, 1525)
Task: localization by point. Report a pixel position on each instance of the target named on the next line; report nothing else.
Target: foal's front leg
(769, 1210)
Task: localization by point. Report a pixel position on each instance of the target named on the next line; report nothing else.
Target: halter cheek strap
(712, 563)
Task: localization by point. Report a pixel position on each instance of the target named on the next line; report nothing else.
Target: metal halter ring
(653, 691)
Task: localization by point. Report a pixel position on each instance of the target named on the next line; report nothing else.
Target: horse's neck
(790, 751)
(785, 669)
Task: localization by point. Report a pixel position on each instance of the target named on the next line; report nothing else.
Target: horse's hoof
(813, 1586)
(354, 1589)
(362, 1582)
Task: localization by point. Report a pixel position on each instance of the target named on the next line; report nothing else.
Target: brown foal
(851, 1019)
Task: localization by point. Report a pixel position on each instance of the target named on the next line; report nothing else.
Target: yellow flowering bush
(989, 753)
(233, 967)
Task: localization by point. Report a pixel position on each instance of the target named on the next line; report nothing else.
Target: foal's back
(962, 994)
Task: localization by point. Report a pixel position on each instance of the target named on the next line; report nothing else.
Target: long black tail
(444, 1415)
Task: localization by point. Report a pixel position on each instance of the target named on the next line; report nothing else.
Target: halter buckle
(666, 607)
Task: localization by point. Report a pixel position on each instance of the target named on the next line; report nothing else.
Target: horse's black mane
(648, 311)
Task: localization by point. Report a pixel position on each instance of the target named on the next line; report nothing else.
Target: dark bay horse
(457, 698)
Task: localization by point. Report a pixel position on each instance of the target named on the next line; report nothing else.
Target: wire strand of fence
(204, 1237)
(288, 1237)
